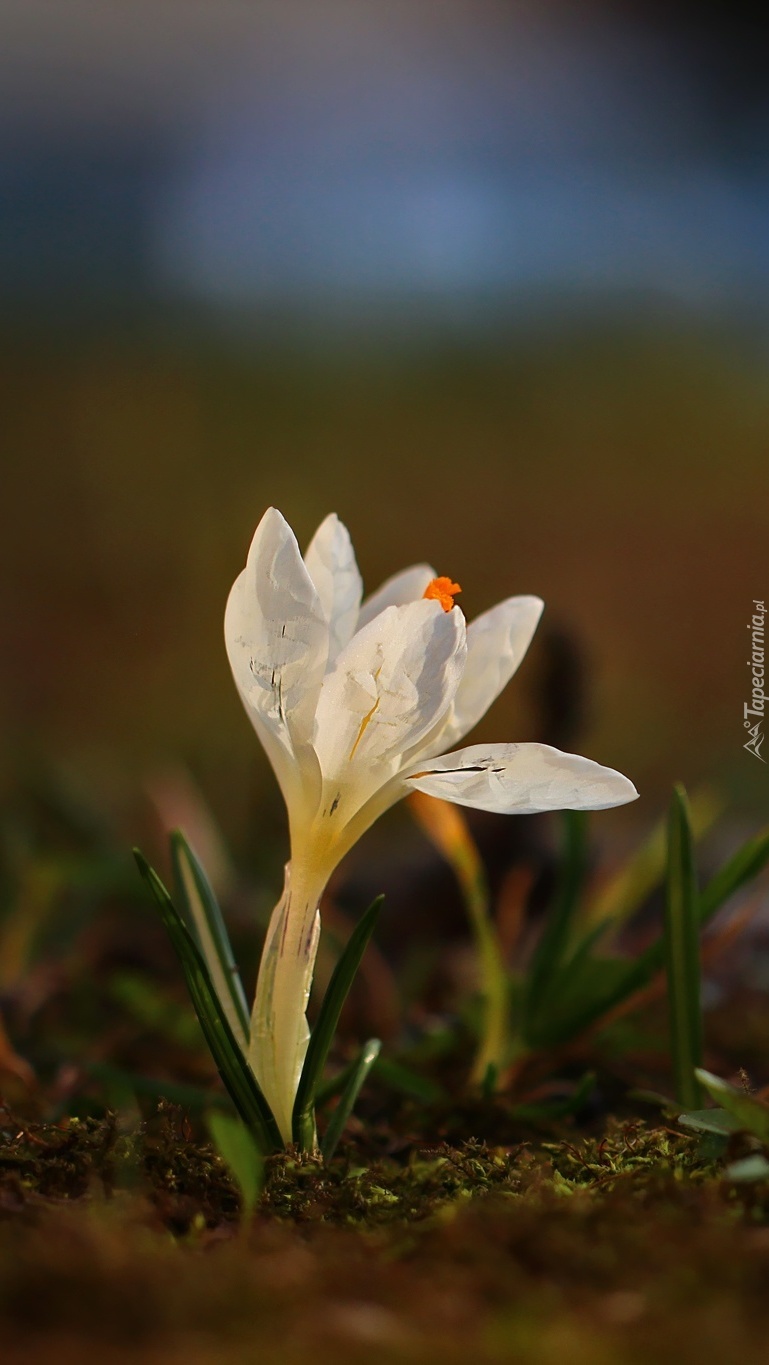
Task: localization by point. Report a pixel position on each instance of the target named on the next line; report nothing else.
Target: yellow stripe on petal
(363, 727)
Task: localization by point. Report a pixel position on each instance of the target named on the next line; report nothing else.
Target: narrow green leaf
(682, 953)
(741, 868)
(198, 898)
(710, 1121)
(626, 891)
(329, 1089)
(554, 940)
(303, 1123)
(230, 1060)
(348, 1097)
(745, 864)
(241, 1154)
(578, 997)
(583, 950)
(752, 1115)
(394, 1074)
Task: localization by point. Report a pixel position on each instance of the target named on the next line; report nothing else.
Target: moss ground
(627, 1246)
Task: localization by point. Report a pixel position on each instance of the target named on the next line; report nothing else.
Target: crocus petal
(521, 779)
(277, 644)
(496, 644)
(330, 561)
(407, 586)
(390, 686)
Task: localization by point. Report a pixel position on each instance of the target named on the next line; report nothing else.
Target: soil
(447, 1229)
(625, 1246)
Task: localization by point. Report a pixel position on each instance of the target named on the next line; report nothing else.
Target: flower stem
(279, 1029)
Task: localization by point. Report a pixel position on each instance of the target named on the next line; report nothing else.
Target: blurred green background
(482, 281)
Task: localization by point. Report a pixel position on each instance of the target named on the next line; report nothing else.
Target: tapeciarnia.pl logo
(753, 712)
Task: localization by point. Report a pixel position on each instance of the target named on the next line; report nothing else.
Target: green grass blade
(745, 864)
(348, 1097)
(328, 1090)
(582, 993)
(642, 872)
(230, 1060)
(552, 945)
(682, 953)
(393, 1074)
(303, 1123)
(564, 1023)
(741, 868)
(241, 1154)
(751, 1114)
(210, 931)
(717, 1121)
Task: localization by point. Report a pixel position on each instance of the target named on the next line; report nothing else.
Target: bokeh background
(489, 279)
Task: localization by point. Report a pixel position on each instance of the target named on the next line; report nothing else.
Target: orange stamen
(442, 590)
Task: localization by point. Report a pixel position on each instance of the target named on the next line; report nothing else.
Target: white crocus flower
(356, 705)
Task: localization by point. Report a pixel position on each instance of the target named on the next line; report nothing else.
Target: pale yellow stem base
(279, 1029)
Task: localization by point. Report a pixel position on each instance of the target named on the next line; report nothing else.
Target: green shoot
(348, 1097)
(682, 953)
(210, 933)
(551, 949)
(241, 1154)
(750, 1114)
(231, 1062)
(625, 892)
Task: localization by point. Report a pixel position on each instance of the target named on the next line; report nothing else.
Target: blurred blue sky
(344, 154)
